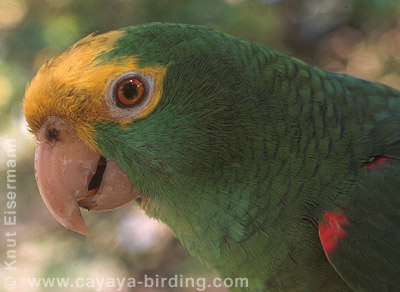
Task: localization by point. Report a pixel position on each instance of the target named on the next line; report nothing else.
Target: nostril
(53, 134)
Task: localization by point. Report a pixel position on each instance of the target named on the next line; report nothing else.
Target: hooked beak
(69, 175)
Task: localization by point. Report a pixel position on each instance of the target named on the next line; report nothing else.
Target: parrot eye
(130, 91)
(129, 94)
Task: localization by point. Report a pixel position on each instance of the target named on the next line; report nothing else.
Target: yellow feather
(73, 86)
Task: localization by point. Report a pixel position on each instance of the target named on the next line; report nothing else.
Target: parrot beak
(69, 175)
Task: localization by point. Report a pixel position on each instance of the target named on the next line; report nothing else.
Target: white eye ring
(120, 111)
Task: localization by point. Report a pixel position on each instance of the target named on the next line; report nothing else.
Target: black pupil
(129, 90)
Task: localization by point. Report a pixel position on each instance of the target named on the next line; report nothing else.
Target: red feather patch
(377, 162)
(330, 230)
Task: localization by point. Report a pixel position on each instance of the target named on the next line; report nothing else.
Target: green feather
(246, 150)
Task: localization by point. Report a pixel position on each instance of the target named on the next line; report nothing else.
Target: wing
(362, 240)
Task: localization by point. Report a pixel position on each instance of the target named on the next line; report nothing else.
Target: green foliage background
(357, 37)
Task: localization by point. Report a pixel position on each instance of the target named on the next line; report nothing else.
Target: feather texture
(245, 151)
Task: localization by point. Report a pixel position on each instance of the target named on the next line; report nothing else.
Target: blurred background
(357, 37)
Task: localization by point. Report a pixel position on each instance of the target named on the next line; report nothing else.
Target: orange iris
(130, 91)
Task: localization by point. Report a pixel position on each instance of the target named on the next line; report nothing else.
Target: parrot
(263, 166)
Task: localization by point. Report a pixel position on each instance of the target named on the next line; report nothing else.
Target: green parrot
(264, 167)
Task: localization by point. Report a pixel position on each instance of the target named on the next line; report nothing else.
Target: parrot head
(150, 112)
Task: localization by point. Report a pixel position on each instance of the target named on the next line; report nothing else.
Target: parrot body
(265, 167)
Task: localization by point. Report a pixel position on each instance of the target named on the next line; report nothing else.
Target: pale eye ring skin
(120, 111)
